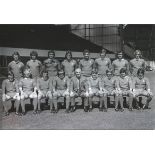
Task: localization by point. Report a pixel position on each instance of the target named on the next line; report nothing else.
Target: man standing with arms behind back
(120, 63)
(34, 65)
(51, 64)
(16, 66)
(137, 63)
(86, 64)
(102, 64)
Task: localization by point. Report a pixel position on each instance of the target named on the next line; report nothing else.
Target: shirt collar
(16, 62)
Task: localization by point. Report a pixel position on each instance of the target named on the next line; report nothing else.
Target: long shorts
(9, 96)
(60, 93)
(28, 94)
(95, 92)
(77, 94)
(111, 92)
(141, 92)
(44, 94)
(125, 93)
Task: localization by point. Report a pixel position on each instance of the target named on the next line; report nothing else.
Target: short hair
(26, 69)
(44, 71)
(68, 52)
(78, 69)
(137, 51)
(51, 51)
(86, 51)
(109, 71)
(33, 53)
(94, 71)
(61, 71)
(10, 73)
(103, 51)
(16, 53)
(119, 52)
(140, 70)
(122, 70)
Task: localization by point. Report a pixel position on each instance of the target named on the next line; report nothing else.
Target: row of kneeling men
(52, 88)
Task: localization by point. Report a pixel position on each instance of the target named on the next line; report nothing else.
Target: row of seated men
(77, 86)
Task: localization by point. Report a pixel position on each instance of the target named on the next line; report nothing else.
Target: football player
(141, 87)
(119, 63)
(102, 64)
(44, 87)
(69, 65)
(51, 64)
(10, 94)
(34, 64)
(86, 64)
(61, 89)
(109, 87)
(27, 88)
(124, 87)
(137, 63)
(95, 89)
(79, 88)
(16, 66)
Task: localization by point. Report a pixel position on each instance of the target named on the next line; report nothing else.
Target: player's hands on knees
(71, 94)
(16, 97)
(87, 94)
(66, 93)
(55, 93)
(100, 92)
(105, 91)
(3, 97)
(49, 93)
(119, 91)
(90, 91)
(33, 95)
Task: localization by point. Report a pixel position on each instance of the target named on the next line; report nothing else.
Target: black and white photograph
(77, 76)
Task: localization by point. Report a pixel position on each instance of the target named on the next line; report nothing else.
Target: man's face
(51, 55)
(78, 73)
(109, 75)
(16, 57)
(61, 75)
(45, 76)
(33, 57)
(120, 55)
(94, 76)
(11, 78)
(140, 75)
(137, 55)
(86, 55)
(68, 56)
(27, 73)
(123, 75)
(103, 54)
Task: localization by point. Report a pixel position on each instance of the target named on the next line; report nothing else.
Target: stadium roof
(47, 36)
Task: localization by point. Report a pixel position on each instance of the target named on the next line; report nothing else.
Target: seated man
(10, 93)
(109, 86)
(141, 87)
(124, 87)
(44, 87)
(60, 89)
(79, 88)
(95, 89)
(27, 88)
